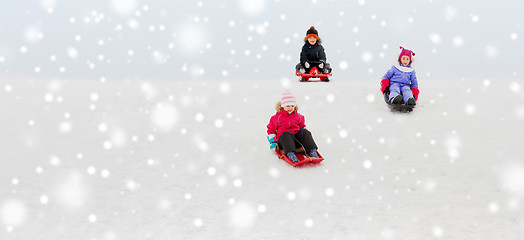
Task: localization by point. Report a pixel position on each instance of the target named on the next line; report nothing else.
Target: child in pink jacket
(287, 128)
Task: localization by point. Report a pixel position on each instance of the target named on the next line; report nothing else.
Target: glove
(307, 65)
(384, 84)
(415, 92)
(272, 142)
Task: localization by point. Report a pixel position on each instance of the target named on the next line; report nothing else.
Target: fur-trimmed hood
(409, 68)
(319, 42)
(279, 108)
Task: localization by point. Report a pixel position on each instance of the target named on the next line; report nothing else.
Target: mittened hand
(272, 142)
(384, 84)
(415, 93)
(307, 65)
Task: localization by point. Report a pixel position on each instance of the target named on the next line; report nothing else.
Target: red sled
(314, 73)
(302, 157)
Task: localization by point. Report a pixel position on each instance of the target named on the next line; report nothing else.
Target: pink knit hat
(406, 52)
(287, 99)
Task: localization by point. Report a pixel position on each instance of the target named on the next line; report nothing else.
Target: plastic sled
(302, 157)
(315, 74)
(397, 107)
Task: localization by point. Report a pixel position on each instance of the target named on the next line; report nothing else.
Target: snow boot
(411, 101)
(313, 153)
(292, 157)
(397, 99)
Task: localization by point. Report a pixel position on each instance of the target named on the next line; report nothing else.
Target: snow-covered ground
(190, 160)
(135, 119)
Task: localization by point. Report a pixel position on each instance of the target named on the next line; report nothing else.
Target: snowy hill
(189, 160)
(132, 119)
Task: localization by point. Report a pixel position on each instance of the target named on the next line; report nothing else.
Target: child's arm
(271, 132)
(302, 123)
(272, 126)
(322, 54)
(389, 74)
(414, 85)
(414, 81)
(384, 83)
(303, 56)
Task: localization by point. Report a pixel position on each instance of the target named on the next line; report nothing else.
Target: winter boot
(313, 153)
(292, 157)
(411, 101)
(397, 99)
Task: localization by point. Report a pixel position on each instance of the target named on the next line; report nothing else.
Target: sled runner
(397, 107)
(300, 152)
(314, 73)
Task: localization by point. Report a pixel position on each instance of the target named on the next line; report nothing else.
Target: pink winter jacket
(282, 122)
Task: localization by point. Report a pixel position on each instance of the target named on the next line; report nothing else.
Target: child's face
(312, 40)
(289, 108)
(404, 60)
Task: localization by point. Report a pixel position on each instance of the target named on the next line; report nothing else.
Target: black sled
(397, 107)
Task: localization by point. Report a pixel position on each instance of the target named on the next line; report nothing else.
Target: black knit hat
(312, 32)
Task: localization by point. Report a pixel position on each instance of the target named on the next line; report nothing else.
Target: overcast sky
(256, 39)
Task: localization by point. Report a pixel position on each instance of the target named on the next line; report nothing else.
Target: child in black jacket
(312, 54)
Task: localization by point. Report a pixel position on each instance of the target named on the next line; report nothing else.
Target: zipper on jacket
(290, 119)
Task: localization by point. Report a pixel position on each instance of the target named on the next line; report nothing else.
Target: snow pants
(396, 88)
(289, 141)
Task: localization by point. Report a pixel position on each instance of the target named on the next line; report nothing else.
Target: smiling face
(312, 40)
(405, 60)
(289, 108)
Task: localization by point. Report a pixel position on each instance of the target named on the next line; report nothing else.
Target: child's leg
(304, 136)
(394, 90)
(311, 65)
(300, 69)
(327, 68)
(286, 142)
(406, 92)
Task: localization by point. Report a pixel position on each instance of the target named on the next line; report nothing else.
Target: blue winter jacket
(401, 74)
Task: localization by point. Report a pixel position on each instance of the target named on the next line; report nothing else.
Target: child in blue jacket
(401, 80)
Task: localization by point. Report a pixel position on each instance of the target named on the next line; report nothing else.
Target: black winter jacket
(312, 53)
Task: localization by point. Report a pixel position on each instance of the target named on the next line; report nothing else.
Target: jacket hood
(319, 42)
(279, 108)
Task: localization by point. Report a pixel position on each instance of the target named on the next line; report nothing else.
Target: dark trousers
(289, 141)
(326, 66)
